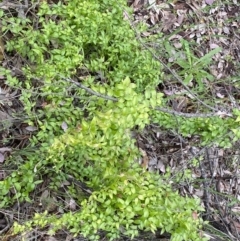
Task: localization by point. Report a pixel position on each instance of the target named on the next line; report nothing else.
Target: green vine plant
(96, 84)
(126, 198)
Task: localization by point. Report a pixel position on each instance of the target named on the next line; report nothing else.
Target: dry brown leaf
(5, 149)
(153, 18)
(2, 158)
(219, 95)
(145, 159)
(152, 164)
(69, 237)
(209, 2)
(199, 193)
(72, 204)
(236, 226)
(31, 128)
(195, 215)
(220, 186)
(161, 166)
(180, 19)
(179, 103)
(137, 4)
(168, 20)
(213, 46)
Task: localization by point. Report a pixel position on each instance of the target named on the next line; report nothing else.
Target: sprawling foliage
(95, 84)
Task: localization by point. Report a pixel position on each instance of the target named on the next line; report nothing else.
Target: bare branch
(172, 112)
(192, 115)
(90, 91)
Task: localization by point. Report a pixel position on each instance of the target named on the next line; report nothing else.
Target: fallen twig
(172, 112)
(90, 91)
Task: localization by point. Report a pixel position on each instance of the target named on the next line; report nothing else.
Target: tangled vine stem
(172, 112)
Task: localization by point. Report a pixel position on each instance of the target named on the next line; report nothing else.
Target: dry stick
(90, 91)
(189, 115)
(172, 112)
(175, 75)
